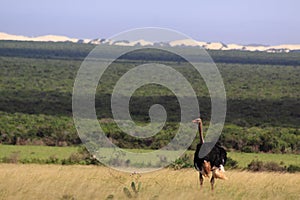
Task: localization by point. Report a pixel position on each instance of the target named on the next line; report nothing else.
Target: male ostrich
(211, 164)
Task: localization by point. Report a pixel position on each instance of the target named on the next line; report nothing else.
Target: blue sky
(231, 21)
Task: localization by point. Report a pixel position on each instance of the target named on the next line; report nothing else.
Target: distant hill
(141, 42)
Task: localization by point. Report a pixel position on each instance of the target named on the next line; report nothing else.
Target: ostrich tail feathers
(219, 173)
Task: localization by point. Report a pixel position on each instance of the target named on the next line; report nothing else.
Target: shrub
(52, 160)
(258, 166)
(33, 160)
(74, 158)
(82, 157)
(230, 163)
(293, 168)
(183, 162)
(273, 166)
(247, 149)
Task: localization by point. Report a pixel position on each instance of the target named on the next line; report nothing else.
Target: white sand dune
(133, 43)
(55, 38)
(45, 38)
(5, 36)
(187, 42)
(184, 42)
(287, 46)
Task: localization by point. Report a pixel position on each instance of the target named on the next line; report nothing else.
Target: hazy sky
(228, 21)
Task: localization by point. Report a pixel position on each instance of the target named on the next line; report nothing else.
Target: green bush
(258, 166)
(82, 157)
(231, 164)
(273, 166)
(185, 161)
(293, 168)
(247, 149)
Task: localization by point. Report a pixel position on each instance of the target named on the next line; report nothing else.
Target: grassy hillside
(36, 81)
(37, 152)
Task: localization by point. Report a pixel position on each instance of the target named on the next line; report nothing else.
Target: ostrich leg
(212, 182)
(201, 179)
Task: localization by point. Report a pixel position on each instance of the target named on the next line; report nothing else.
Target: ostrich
(213, 163)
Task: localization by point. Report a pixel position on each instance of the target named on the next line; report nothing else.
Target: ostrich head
(199, 122)
(196, 120)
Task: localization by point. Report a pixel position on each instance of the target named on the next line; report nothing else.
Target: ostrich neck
(200, 132)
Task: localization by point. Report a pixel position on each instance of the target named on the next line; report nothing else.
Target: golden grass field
(30, 181)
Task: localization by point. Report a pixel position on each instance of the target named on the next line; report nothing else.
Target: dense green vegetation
(36, 81)
(74, 51)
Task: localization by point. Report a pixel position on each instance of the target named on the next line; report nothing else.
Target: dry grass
(91, 182)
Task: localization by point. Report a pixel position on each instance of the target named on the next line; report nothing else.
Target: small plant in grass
(52, 160)
(110, 197)
(155, 197)
(68, 197)
(135, 190)
(135, 187)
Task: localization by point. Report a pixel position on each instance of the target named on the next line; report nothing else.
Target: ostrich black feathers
(217, 156)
